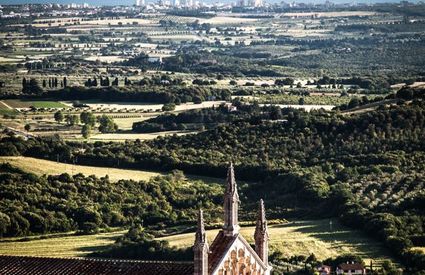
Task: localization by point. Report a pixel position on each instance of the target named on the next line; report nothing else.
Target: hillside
(367, 169)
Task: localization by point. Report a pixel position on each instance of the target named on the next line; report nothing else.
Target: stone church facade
(230, 253)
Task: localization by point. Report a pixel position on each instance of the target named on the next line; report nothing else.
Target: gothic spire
(231, 204)
(200, 231)
(261, 234)
(200, 248)
(261, 217)
(231, 181)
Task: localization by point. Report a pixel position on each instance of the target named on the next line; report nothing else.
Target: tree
(405, 93)
(24, 83)
(354, 102)
(31, 87)
(107, 125)
(94, 82)
(88, 118)
(88, 83)
(58, 116)
(27, 127)
(197, 100)
(86, 131)
(71, 120)
(169, 107)
(4, 223)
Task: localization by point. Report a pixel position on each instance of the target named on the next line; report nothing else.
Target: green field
(5, 110)
(306, 237)
(295, 238)
(66, 246)
(46, 167)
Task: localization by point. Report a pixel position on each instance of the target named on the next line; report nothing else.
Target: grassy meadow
(65, 246)
(306, 237)
(41, 167)
(48, 167)
(294, 238)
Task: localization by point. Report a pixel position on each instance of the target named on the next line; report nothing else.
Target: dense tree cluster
(137, 243)
(208, 118)
(37, 205)
(215, 62)
(154, 94)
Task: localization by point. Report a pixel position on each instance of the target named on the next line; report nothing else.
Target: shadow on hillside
(94, 248)
(337, 235)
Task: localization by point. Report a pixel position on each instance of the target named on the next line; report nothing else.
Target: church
(230, 253)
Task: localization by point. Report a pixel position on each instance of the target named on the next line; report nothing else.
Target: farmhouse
(229, 253)
(350, 268)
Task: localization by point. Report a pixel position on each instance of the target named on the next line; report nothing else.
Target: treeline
(405, 93)
(39, 205)
(385, 28)
(192, 13)
(209, 118)
(151, 94)
(191, 60)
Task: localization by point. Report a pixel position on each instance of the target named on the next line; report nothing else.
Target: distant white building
(140, 3)
(351, 269)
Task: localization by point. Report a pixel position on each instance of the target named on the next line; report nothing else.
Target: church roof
(218, 248)
(18, 265)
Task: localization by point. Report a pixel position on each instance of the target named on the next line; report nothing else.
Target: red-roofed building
(350, 268)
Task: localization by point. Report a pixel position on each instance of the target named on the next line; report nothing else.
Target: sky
(131, 2)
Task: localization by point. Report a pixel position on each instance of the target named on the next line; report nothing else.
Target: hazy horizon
(131, 2)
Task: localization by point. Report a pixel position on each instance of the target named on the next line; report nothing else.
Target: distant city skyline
(133, 2)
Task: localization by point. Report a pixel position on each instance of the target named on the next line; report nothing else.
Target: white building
(140, 3)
